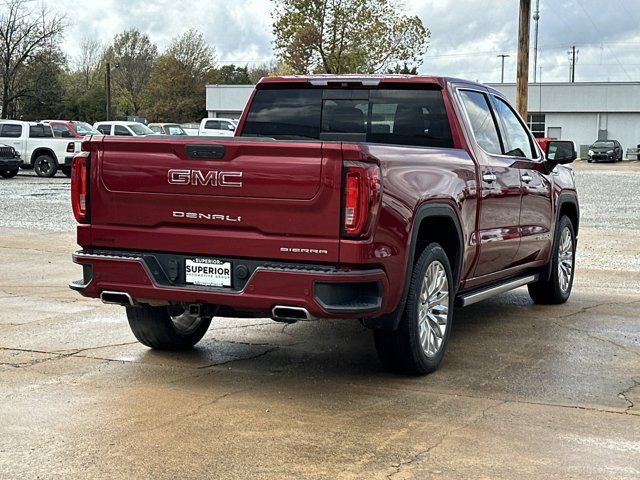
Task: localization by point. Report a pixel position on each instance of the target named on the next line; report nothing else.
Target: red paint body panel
(289, 209)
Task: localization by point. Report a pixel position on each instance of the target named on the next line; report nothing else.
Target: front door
(498, 235)
(536, 213)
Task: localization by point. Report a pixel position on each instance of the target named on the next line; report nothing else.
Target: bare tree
(134, 55)
(25, 32)
(87, 63)
(193, 51)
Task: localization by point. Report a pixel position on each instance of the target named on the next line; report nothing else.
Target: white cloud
(466, 34)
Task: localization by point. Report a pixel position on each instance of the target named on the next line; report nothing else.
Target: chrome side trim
(474, 297)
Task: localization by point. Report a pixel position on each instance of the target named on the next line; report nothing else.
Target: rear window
(11, 130)
(402, 117)
(140, 129)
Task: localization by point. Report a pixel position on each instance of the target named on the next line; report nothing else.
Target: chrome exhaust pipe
(284, 313)
(117, 298)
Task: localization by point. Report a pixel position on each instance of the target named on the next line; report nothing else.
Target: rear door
(227, 197)
(498, 234)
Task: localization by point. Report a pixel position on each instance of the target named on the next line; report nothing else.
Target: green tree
(346, 36)
(176, 88)
(403, 70)
(132, 57)
(229, 75)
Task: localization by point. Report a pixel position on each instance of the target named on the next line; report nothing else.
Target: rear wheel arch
(43, 151)
(448, 234)
(568, 206)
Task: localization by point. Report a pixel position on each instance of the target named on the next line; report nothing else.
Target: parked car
(71, 128)
(311, 213)
(167, 128)
(217, 127)
(38, 148)
(123, 129)
(9, 161)
(605, 151)
(191, 129)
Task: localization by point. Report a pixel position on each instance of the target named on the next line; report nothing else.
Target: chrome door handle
(489, 177)
(526, 178)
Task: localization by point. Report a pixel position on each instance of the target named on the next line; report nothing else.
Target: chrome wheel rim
(185, 322)
(565, 260)
(433, 308)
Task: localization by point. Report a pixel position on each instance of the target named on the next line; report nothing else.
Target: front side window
(484, 128)
(83, 128)
(11, 130)
(175, 130)
(60, 131)
(515, 137)
(212, 125)
(122, 131)
(156, 128)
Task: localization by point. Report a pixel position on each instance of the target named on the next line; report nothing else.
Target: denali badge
(214, 178)
(207, 216)
(303, 250)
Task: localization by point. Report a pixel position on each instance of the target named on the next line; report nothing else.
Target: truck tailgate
(223, 197)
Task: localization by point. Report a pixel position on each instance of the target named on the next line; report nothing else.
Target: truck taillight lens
(79, 187)
(361, 200)
(71, 147)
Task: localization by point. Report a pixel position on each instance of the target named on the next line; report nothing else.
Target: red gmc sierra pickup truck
(388, 199)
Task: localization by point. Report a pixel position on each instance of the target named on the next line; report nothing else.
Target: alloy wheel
(433, 308)
(183, 321)
(565, 259)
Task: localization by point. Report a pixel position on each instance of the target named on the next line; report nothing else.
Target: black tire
(45, 166)
(9, 173)
(154, 327)
(589, 161)
(66, 171)
(401, 350)
(549, 290)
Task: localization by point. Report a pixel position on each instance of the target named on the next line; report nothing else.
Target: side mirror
(231, 127)
(560, 152)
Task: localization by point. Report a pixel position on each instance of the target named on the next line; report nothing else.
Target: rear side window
(482, 123)
(402, 117)
(40, 131)
(212, 125)
(10, 130)
(104, 129)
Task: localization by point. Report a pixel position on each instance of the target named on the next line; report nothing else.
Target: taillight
(79, 191)
(71, 147)
(361, 200)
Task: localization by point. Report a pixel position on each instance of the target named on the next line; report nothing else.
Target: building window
(535, 122)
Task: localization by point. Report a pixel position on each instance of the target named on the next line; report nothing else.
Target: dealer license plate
(208, 272)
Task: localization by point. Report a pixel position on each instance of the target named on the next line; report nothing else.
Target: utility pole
(522, 76)
(536, 17)
(572, 60)
(503, 56)
(107, 89)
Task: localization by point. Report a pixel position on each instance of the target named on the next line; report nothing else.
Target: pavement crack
(240, 359)
(595, 337)
(624, 395)
(417, 456)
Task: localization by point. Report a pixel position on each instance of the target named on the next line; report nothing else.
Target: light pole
(503, 56)
(536, 18)
(107, 88)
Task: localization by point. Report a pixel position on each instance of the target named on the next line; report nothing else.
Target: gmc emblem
(214, 178)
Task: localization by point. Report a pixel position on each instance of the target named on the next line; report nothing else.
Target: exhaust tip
(116, 298)
(290, 314)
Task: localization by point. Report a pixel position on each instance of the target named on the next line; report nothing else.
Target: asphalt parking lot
(525, 391)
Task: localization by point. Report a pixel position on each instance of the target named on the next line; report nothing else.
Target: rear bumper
(152, 278)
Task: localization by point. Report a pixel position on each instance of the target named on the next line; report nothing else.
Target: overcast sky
(466, 35)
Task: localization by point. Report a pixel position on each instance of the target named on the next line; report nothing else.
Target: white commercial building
(227, 101)
(582, 112)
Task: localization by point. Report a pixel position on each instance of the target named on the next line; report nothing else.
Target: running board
(479, 295)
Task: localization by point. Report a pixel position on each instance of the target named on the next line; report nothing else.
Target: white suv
(217, 127)
(123, 129)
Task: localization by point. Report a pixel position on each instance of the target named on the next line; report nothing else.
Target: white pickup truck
(38, 148)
